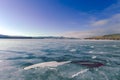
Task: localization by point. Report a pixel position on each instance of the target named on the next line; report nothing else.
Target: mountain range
(40, 37)
(106, 37)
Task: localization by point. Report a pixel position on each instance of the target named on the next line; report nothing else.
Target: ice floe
(93, 57)
(72, 50)
(47, 64)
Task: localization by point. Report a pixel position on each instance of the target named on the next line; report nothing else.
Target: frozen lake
(16, 54)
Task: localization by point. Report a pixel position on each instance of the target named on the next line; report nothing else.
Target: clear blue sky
(76, 18)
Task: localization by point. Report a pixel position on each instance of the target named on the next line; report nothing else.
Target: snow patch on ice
(81, 72)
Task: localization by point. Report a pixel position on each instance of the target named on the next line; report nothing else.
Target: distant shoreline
(100, 39)
(56, 39)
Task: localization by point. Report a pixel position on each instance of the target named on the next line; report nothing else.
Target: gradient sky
(72, 18)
